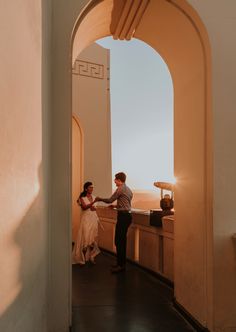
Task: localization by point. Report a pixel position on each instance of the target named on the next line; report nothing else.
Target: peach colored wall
(91, 103)
(190, 165)
(219, 18)
(187, 67)
(192, 237)
(23, 169)
(198, 235)
(59, 291)
(77, 173)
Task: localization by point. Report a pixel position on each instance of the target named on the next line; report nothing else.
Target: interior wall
(220, 20)
(91, 103)
(191, 281)
(23, 176)
(187, 66)
(223, 52)
(77, 173)
(59, 292)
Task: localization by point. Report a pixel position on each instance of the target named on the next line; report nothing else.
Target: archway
(77, 172)
(177, 34)
(174, 29)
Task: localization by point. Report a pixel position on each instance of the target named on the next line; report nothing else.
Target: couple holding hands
(86, 248)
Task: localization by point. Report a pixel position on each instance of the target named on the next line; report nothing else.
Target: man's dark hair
(120, 176)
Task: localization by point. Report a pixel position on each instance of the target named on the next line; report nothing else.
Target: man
(123, 195)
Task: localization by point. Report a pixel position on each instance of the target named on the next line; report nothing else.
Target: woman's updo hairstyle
(84, 192)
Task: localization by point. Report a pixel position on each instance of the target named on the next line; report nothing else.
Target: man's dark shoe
(114, 265)
(118, 269)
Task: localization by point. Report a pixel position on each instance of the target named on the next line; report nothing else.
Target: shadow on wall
(27, 312)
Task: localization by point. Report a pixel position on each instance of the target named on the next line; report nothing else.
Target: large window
(141, 113)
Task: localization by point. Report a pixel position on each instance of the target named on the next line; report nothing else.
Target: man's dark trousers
(124, 219)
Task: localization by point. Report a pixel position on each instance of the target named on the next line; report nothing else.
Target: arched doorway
(176, 32)
(77, 172)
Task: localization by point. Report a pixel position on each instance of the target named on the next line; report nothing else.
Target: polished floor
(132, 301)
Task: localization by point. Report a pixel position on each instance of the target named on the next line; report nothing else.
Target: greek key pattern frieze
(88, 69)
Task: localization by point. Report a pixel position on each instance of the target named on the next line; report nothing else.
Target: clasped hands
(98, 199)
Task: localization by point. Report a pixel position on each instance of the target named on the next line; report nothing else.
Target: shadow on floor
(132, 301)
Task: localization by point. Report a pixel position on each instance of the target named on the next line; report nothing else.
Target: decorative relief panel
(88, 69)
(130, 14)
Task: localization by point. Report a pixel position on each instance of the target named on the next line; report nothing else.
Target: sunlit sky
(141, 113)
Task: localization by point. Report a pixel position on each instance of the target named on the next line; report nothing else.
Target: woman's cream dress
(86, 248)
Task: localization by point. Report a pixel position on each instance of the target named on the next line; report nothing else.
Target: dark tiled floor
(132, 301)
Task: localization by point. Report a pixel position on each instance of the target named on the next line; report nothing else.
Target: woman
(86, 248)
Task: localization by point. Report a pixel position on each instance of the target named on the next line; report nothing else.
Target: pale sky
(141, 113)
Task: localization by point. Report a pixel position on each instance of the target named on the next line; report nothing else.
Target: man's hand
(97, 199)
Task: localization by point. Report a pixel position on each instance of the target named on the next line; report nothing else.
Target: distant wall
(91, 104)
(23, 168)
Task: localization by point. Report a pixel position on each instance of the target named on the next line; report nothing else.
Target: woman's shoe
(92, 261)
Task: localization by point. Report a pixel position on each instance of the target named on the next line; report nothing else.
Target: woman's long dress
(86, 247)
